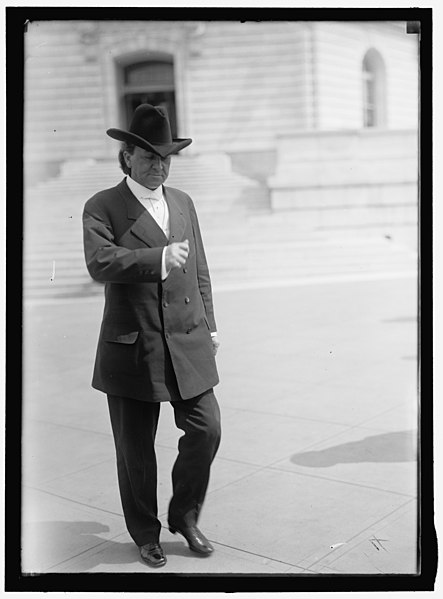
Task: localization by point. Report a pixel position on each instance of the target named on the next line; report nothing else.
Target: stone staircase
(53, 253)
(245, 243)
(215, 189)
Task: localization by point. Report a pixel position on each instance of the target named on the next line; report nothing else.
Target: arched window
(152, 82)
(374, 90)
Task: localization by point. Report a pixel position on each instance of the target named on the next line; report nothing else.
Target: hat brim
(163, 149)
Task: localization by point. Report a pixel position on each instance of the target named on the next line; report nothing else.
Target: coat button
(165, 304)
(185, 270)
(187, 300)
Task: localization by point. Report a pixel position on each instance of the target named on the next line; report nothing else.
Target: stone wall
(63, 111)
(338, 51)
(344, 178)
(239, 86)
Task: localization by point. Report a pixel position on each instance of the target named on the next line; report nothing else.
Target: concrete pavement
(316, 472)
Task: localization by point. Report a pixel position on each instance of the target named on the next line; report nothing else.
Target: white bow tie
(156, 198)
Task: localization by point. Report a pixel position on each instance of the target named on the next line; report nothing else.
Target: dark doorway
(152, 82)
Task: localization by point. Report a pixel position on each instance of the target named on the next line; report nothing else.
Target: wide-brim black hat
(150, 130)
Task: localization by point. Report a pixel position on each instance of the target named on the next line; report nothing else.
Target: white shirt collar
(143, 193)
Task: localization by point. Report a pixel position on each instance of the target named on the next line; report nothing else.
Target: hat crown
(150, 130)
(151, 123)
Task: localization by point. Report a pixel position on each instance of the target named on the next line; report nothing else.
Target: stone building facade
(254, 93)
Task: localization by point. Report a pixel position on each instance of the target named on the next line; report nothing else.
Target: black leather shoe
(196, 539)
(153, 555)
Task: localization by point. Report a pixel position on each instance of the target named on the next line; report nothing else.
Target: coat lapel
(148, 231)
(177, 222)
(145, 227)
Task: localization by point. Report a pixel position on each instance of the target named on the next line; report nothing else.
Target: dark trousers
(134, 425)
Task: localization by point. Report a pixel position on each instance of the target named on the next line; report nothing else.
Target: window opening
(373, 89)
(151, 82)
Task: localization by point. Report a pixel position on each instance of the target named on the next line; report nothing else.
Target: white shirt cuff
(214, 334)
(164, 272)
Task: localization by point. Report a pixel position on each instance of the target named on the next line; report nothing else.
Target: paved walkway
(317, 468)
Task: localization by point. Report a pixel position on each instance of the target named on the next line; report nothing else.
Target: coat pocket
(117, 337)
(119, 352)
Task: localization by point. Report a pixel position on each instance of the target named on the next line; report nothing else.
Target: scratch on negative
(372, 564)
(53, 271)
(337, 545)
(379, 541)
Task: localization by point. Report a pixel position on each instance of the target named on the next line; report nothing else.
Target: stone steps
(53, 210)
(242, 243)
(49, 275)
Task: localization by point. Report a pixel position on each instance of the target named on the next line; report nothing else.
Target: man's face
(147, 168)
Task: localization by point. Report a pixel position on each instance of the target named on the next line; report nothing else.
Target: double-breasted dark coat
(155, 338)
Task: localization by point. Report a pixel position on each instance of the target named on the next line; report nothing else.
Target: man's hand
(215, 344)
(176, 254)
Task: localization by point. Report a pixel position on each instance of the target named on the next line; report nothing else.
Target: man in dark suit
(158, 336)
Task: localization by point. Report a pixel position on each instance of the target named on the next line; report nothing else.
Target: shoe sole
(151, 565)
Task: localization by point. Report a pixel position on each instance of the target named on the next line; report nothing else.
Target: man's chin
(154, 182)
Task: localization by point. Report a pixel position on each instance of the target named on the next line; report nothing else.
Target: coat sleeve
(108, 262)
(204, 279)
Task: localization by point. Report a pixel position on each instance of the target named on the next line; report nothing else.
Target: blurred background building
(317, 120)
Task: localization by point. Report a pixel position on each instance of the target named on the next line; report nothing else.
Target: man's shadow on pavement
(388, 447)
(88, 547)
